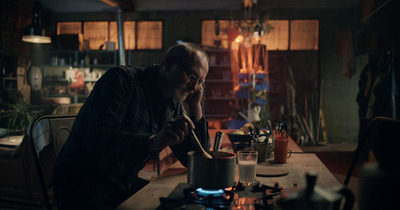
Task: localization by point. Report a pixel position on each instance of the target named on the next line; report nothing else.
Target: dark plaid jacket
(108, 144)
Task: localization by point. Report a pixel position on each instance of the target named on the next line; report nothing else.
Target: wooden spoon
(196, 141)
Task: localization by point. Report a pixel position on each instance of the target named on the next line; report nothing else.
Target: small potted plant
(20, 115)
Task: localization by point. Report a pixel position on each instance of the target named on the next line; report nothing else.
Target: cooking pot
(215, 173)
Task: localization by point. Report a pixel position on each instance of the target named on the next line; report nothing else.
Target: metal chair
(381, 137)
(48, 134)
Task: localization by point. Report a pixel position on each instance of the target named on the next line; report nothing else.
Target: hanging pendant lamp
(36, 33)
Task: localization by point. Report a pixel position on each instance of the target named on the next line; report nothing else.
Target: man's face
(187, 81)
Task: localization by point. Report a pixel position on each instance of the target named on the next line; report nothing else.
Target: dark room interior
(323, 72)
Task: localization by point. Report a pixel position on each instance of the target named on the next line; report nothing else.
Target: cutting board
(271, 171)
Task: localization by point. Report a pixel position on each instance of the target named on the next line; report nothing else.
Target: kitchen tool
(200, 149)
(216, 173)
(218, 140)
(314, 197)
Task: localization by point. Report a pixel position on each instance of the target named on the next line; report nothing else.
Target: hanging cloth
(344, 46)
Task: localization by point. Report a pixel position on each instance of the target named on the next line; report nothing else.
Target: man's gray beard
(179, 94)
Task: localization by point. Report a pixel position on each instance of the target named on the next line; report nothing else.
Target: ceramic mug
(281, 152)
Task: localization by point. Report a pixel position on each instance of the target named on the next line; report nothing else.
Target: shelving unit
(16, 80)
(92, 64)
(94, 58)
(218, 95)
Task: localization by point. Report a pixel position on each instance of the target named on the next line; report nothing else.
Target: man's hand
(195, 97)
(194, 103)
(173, 133)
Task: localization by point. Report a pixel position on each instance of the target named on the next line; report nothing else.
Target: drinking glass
(247, 161)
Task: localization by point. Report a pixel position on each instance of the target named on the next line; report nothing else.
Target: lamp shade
(36, 33)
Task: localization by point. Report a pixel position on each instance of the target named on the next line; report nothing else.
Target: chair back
(48, 134)
(60, 128)
(381, 137)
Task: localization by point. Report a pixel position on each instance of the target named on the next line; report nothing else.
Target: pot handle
(349, 196)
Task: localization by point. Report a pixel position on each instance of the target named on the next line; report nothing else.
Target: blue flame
(214, 193)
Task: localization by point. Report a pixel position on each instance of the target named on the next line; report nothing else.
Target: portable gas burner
(238, 196)
(208, 196)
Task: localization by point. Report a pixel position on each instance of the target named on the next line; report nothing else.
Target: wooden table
(298, 164)
(148, 197)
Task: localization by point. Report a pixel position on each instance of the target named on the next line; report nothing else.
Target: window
(208, 35)
(278, 37)
(96, 33)
(69, 28)
(303, 34)
(149, 35)
(129, 34)
(141, 35)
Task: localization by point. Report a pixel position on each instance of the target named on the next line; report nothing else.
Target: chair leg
(156, 163)
(353, 164)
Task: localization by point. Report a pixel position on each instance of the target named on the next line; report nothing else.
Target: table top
(11, 141)
(298, 164)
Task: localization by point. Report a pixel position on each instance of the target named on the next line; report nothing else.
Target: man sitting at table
(130, 116)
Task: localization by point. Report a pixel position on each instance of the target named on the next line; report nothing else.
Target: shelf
(220, 66)
(222, 50)
(9, 78)
(218, 81)
(81, 51)
(104, 58)
(65, 98)
(79, 66)
(219, 98)
(217, 115)
(65, 80)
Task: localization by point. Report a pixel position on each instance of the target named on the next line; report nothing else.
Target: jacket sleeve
(102, 120)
